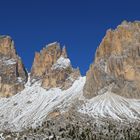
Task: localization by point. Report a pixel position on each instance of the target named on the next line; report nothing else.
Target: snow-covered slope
(33, 104)
(110, 105)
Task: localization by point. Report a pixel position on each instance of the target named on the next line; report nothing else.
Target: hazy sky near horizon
(80, 25)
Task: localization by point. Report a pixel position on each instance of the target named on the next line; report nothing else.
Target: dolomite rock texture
(52, 66)
(12, 72)
(117, 63)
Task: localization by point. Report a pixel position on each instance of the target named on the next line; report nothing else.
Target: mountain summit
(53, 67)
(13, 75)
(117, 63)
(57, 103)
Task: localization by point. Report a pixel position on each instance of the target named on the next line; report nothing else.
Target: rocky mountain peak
(117, 62)
(53, 67)
(7, 46)
(12, 74)
(44, 60)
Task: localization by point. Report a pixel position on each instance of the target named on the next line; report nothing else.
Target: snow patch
(8, 61)
(61, 63)
(20, 80)
(52, 44)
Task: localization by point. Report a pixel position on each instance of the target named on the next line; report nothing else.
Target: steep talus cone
(12, 72)
(117, 62)
(53, 68)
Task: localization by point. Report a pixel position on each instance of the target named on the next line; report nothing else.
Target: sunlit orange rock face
(117, 63)
(52, 66)
(13, 75)
(44, 60)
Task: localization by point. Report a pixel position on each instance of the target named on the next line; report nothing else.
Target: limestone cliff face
(53, 68)
(12, 72)
(117, 62)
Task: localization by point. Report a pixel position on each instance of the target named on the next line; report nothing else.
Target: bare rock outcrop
(117, 63)
(52, 66)
(13, 75)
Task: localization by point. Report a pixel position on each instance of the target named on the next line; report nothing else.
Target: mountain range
(54, 101)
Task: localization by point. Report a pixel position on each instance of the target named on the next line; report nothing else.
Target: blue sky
(80, 25)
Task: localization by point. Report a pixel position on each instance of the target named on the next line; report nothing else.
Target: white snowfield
(33, 104)
(30, 107)
(110, 105)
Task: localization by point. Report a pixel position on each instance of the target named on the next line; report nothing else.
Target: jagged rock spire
(12, 71)
(53, 67)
